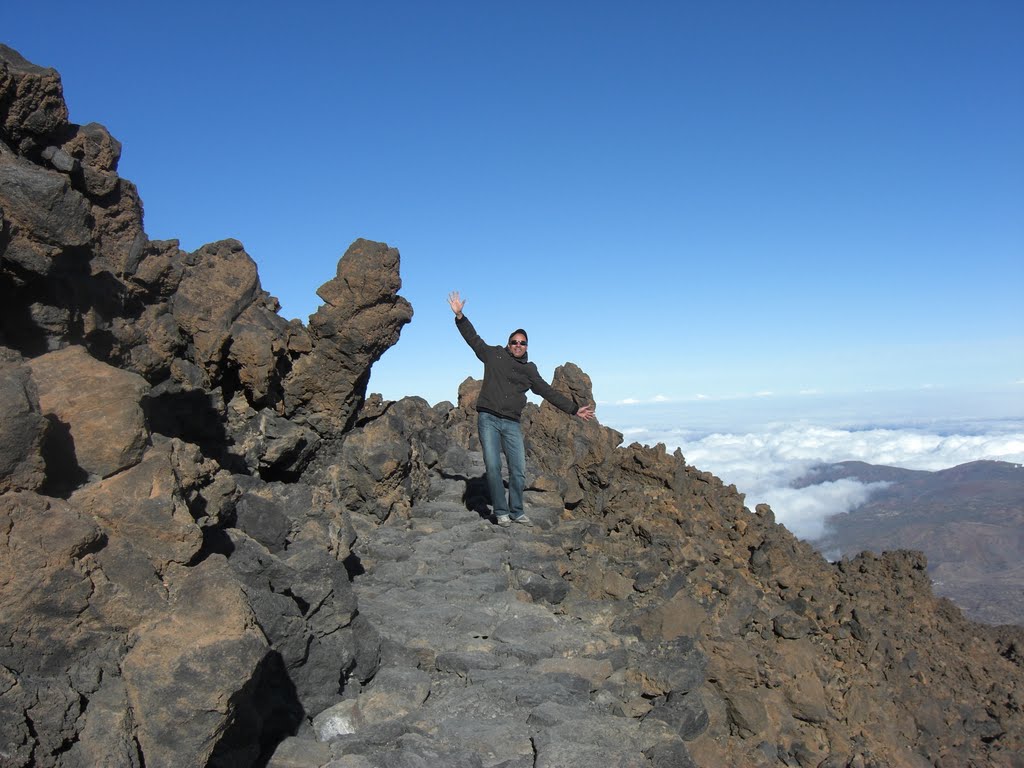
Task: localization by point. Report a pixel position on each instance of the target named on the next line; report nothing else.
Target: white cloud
(804, 510)
(638, 401)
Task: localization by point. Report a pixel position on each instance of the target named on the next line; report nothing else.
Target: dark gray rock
(549, 589)
(22, 427)
(463, 662)
(791, 626)
(264, 520)
(684, 712)
(669, 755)
(60, 160)
(268, 444)
(42, 206)
(676, 666)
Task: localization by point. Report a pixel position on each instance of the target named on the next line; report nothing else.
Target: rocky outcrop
(154, 578)
(360, 319)
(215, 549)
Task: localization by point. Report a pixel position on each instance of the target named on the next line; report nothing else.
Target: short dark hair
(518, 330)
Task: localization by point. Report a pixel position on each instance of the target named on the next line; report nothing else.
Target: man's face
(517, 345)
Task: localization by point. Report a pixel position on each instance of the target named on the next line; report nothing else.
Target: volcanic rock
(98, 405)
(360, 319)
(22, 426)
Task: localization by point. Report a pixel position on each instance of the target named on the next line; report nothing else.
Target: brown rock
(118, 244)
(100, 406)
(361, 318)
(747, 712)
(145, 505)
(375, 470)
(31, 100)
(801, 685)
(160, 270)
(616, 585)
(94, 147)
(255, 350)
(189, 669)
(461, 420)
(41, 583)
(214, 291)
(581, 454)
(678, 616)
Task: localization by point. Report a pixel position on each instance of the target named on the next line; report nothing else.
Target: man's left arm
(560, 401)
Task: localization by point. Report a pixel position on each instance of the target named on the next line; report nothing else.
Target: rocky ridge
(215, 549)
(968, 520)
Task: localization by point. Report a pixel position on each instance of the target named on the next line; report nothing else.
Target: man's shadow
(476, 497)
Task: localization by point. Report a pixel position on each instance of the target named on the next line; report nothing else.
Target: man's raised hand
(586, 412)
(456, 303)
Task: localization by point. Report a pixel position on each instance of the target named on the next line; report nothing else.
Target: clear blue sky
(688, 199)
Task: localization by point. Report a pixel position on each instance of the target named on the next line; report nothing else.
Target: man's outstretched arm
(560, 401)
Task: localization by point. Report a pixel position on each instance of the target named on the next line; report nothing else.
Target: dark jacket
(506, 379)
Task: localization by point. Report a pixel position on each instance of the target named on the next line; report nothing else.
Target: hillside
(968, 520)
(218, 550)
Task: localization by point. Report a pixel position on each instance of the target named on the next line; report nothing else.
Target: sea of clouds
(764, 447)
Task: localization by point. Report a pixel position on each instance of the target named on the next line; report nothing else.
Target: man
(508, 373)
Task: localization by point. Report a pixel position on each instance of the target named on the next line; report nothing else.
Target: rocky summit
(216, 549)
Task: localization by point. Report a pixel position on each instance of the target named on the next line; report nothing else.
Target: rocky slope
(968, 520)
(215, 549)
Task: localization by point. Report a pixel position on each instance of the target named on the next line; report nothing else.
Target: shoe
(503, 520)
(523, 520)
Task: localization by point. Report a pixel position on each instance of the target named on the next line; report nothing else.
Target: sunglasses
(517, 343)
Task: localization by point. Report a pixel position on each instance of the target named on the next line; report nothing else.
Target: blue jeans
(498, 435)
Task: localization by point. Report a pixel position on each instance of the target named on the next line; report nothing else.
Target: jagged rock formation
(216, 550)
(156, 576)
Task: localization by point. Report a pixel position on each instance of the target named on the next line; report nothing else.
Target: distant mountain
(968, 520)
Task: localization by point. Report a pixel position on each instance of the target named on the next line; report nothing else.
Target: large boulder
(98, 405)
(290, 547)
(53, 648)
(191, 668)
(268, 444)
(145, 505)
